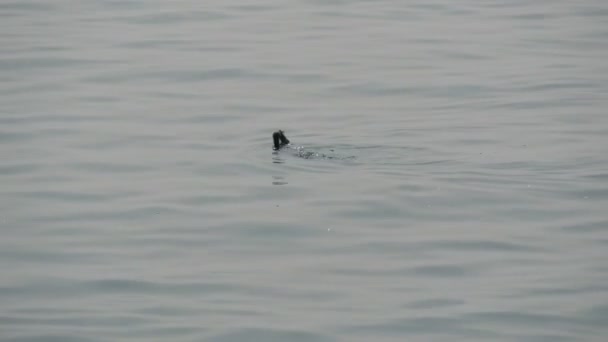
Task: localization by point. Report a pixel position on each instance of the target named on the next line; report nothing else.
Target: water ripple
(452, 184)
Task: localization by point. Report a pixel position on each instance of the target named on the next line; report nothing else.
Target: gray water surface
(140, 199)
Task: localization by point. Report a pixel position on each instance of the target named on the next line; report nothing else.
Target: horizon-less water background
(140, 199)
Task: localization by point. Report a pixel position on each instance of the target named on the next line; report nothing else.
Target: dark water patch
(534, 17)
(460, 55)
(68, 196)
(33, 63)
(380, 211)
(165, 244)
(143, 213)
(35, 6)
(596, 316)
(59, 256)
(435, 303)
(175, 45)
(433, 7)
(586, 227)
(169, 332)
(123, 4)
(409, 250)
(452, 327)
(51, 338)
(373, 210)
(175, 95)
(564, 291)
(440, 271)
(52, 118)
(109, 167)
(80, 320)
(36, 50)
(530, 214)
(138, 286)
(528, 319)
(431, 41)
(270, 335)
(574, 43)
(593, 11)
(302, 77)
(217, 199)
(253, 8)
(460, 91)
(598, 35)
(19, 169)
(203, 119)
(559, 86)
(523, 170)
(268, 230)
(373, 89)
(368, 273)
(177, 17)
(126, 286)
(330, 3)
(413, 188)
(542, 337)
(212, 48)
(181, 76)
(48, 311)
(536, 104)
(12, 137)
(261, 194)
(164, 311)
(100, 99)
(148, 140)
(480, 245)
(155, 44)
(431, 162)
(257, 108)
(597, 193)
(443, 271)
(279, 180)
(33, 88)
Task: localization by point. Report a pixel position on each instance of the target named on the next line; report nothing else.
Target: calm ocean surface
(457, 190)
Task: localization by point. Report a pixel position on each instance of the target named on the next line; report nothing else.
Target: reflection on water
(278, 180)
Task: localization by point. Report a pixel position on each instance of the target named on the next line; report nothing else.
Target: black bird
(279, 139)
